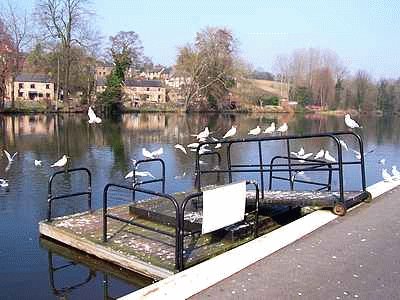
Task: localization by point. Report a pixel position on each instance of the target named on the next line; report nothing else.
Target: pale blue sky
(364, 33)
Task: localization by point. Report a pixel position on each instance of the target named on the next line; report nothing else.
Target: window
(147, 96)
(159, 89)
(21, 85)
(159, 97)
(40, 95)
(148, 89)
(47, 95)
(20, 94)
(32, 86)
(47, 86)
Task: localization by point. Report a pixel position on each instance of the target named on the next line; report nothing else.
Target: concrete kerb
(197, 278)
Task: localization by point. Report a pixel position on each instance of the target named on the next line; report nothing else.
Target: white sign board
(223, 206)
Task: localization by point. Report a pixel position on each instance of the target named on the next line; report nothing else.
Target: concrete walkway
(357, 256)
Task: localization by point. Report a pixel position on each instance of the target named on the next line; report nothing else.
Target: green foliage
(302, 95)
(269, 100)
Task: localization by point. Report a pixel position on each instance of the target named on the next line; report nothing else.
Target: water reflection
(107, 150)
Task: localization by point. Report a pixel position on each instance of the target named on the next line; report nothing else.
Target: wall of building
(33, 91)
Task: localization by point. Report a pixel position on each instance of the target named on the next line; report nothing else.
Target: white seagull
(61, 162)
(329, 157)
(139, 174)
(3, 183)
(180, 147)
(231, 132)
(270, 128)
(386, 176)
(217, 146)
(202, 135)
(344, 145)
(193, 145)
(255, 131)
(283, 128)
(358, 154)
(146, 153)
(320, 154)
(38, 163)
(300, 153)
(350, 122)
(92, 116)
(9, 157)
(395, 172)
(383, 161)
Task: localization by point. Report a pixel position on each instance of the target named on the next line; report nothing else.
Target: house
(33, 87)
(143, 91)
(103, 70)
(154, 74)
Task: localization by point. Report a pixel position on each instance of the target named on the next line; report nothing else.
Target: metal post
(261, 168)
(289, 164)
(228, 157)
(105, 213)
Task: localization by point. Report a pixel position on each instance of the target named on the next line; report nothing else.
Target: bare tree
(65, 21)
(18, 29)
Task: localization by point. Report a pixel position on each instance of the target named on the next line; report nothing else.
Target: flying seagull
(9, 157)
(139, 174)
(231, 132)
(344, 145)
(193, 145)
(61, 162)
(38, 163)
(217, 146)
(350, 122)
(270, 128)
(146, 153)
(3, 183)
(92, 116)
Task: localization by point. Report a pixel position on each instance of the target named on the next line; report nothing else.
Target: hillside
(273, 87)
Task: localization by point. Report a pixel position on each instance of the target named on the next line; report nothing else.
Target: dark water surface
(29, 266)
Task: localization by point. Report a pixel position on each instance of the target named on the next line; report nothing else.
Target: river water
(29, 266)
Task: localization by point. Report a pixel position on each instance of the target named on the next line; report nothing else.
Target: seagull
(283, 128)
(92, 116)
(320, 154)
(395, 172)
(180, 176)
(358, 154)
(344, 145)
(61, 162)
(202, 135)
(180, 147)
(203, 149)
(146, 153)
(3, 183)
(139, 174)
(350, 122)
(386, 176)
(270, 128)
(38, 163)
(231, 132)
(193, 145)
(305, 156)
(383, 161)
(300, 153)
(217, 146)
(329, 157)
(9, 157)
(255, 131)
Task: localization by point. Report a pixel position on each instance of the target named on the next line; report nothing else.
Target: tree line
(60, 39)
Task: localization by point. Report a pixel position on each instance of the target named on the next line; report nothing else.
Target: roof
(33, 78)
(143, 83)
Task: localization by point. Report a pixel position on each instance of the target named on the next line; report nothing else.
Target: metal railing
(51, 197)
(137, 183)
(289, 167)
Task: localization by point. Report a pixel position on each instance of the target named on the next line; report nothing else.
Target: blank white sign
(223, 206)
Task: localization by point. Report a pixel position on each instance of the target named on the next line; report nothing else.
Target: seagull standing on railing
(270, 128)
(344, 145)
(193, 145)
(180, 147)
(329, 157)
(61, 162)
(231, 132)
(320, 154)
(350, 122)
(92, 116)
(255, 131)
(283, 128)
(217, 146)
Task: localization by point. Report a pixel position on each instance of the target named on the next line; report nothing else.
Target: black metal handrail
(260, 167)
(137, 183)
(51, 197)
(148, 192)
(197, 195)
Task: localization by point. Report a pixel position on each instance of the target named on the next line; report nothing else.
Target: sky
(364, 33)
